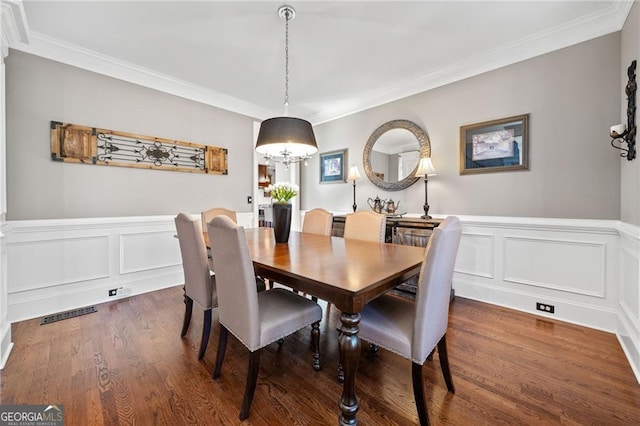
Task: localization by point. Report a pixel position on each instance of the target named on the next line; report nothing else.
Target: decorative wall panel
(81, 144)
(573, 266)
(45, 263)
(475, 255)
(147, 251)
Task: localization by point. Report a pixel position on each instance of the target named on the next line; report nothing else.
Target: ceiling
(345, 56)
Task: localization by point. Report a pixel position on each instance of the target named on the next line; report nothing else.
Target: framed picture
(333, 166)
(495, 146)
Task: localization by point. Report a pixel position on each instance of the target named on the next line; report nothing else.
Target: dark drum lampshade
(286, 137)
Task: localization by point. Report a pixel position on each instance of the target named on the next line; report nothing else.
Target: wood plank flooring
(126, 364)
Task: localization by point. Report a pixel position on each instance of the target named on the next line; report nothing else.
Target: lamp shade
(354, 173)
(425, 168)
(280, 135)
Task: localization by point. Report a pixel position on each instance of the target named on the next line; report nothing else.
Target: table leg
(350, 348)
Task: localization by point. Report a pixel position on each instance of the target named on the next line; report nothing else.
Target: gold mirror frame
(425, 151)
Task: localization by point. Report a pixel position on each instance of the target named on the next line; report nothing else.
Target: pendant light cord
(286, 62)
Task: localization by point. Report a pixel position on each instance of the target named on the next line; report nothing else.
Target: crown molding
(591, 26)
(13, 24)
(56, 50)
(586, 28)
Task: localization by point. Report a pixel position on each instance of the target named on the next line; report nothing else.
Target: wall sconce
(622, 133)
(354, 175)
(425, 168)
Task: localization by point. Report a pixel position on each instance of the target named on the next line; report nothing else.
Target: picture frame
(333, 166)
(495, 146)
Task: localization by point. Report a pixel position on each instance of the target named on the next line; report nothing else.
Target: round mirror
(392, 153)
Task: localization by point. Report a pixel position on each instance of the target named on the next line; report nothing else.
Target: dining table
(348, 273)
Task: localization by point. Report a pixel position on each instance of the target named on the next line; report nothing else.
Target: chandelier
(286, 139)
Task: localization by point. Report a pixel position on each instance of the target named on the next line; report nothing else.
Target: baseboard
(595, 317)
(5, 344)
(47, 304)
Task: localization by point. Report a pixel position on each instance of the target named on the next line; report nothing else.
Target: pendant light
(286, 139)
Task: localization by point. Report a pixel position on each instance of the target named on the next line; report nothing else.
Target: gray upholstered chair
(365, 225)
(199, 283)
(317, 221)
(412, 330)
(256, 319)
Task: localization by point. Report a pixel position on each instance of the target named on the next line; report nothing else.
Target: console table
(410, 231)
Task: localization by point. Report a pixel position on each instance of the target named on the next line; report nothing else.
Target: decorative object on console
(391, 154)
(281, 194)
(495, 146)
(286, 139)
(73, 143)
(333, 166)
(378, 204)
(622, 133)
(425, 168)
(354, 175)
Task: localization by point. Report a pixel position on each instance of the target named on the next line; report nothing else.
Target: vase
(281, 221)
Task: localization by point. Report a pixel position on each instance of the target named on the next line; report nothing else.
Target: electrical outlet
(113, 292)
(550, 309)
(249, 199)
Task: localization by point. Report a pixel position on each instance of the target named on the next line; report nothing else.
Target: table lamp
(425, 168)
(354, 175)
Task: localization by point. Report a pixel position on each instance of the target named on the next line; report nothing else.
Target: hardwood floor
(126, 364)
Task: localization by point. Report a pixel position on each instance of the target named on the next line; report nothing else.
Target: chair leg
(418, 393)
(252, 380)
(315, 342)
(188, 307)
(222, 347)
(206, 331)
(444, 363)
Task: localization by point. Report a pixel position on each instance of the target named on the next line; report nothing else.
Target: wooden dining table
(348, 273)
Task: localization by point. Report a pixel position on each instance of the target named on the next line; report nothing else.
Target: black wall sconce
(622, 133)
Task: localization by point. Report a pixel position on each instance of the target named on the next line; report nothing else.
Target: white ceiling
(345, 56)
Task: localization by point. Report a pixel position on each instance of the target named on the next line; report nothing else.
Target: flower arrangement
(282, 192)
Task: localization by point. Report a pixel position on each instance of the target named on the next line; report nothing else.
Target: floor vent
(68, 314)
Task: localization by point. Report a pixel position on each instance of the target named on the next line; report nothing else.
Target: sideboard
(400, 230)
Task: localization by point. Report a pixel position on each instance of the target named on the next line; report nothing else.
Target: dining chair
(365, 225)
(317, 221)
(199, 282)
(413, 330)
(207, 215)
(256, 319)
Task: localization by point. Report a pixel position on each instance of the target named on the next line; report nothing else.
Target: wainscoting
(587, 269)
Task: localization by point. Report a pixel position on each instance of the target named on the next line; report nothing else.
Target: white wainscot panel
(573, 266)
(144, 251)
(629, 292)
(45, 263)
(475, 255)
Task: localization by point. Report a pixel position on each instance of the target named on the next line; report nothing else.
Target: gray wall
(40, 90)
(572, 96)
(630, 171)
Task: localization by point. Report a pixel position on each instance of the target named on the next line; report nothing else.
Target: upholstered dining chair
(207, 215)
(365, 225)
(199, 282)
(318, 221)
(413, 330)
(255, 318)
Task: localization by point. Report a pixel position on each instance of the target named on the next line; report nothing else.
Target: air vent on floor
(68, 314)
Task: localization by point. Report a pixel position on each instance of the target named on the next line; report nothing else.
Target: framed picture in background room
(333, 166)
